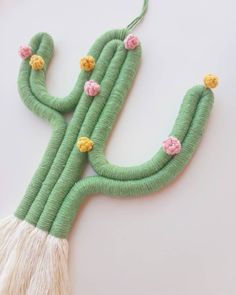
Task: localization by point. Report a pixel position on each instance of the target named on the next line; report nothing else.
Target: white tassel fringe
(32, 262)
(8, 227)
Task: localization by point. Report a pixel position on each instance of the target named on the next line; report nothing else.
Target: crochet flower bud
(36, 62)
(25, 51)
(171, 146)
(87, 63)
(131, 42)
(211, 81)
(84, 144)
(91, 88)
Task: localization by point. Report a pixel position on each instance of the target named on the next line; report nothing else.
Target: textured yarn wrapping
(33, 245)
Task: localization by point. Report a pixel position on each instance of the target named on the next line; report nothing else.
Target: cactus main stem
(67, 167)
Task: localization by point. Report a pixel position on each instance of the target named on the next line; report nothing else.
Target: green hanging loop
(138, 19)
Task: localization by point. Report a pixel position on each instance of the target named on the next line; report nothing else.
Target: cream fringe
(8, 228)
(32, 262)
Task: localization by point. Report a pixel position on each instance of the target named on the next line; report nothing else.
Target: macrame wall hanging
(33, 242)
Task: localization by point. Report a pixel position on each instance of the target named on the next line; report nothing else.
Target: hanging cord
(138, 19)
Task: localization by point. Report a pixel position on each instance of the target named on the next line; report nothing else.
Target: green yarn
(58, 130)
(56, 191)
(138, 19)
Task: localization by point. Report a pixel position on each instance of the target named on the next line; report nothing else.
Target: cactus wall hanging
(33, 242)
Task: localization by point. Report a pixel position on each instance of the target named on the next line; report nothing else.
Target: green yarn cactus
(57, 190)
(33, 242)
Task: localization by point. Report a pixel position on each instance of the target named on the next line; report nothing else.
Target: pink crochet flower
(131, 42)
(171, 146)
(91, 88)
(25, 51)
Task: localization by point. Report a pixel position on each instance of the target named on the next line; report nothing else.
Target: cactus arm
(42, 44)
(58, 130)
(100, 134)
(125, 188)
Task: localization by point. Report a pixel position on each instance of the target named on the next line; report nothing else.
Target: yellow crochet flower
(87, 63)
(36, 62)
(84, 144)
(211, 81)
